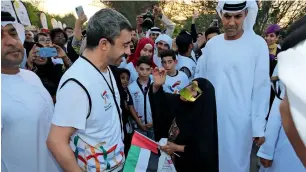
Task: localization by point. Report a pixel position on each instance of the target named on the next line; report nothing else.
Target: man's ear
(246, 12)
(103, 44)
(191, 46)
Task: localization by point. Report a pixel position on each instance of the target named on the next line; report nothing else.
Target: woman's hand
(159, 76)
(32, 56)
(195, 16)
(170, 148)
(157, 12)
(60, 52)
(81, 20)
(265, 162)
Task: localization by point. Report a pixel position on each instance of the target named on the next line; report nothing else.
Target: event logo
(175, 87)
(137, 96)
(176, 84)
(105, 96)
(107, 103)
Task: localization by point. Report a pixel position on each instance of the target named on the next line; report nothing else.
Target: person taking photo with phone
(49, 74)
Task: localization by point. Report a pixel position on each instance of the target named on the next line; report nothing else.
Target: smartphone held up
(79, 10)
(47, 52)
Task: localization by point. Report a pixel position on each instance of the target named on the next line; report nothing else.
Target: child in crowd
(124, 75)
(139, 91)
(271, 37)
(175, 80)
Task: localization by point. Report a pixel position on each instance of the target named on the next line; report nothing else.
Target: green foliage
(202, 22)
(177, 30)
(49, 17)
(69, 20)
(280, 12)
(130, 9)
(34, 15)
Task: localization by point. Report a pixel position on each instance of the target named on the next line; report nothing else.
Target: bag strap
(79, 83)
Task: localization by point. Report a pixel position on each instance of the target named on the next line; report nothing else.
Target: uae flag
(144, 156)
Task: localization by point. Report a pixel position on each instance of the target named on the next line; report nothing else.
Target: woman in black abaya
(191, 127)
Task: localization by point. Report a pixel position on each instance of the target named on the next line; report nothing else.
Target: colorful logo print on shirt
(137, 96)
(175, 87)
(105, 96)
(107, 103)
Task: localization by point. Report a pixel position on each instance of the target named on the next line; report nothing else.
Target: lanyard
(144, 92)
(111, 87)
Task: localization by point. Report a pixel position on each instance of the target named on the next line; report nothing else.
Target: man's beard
(29, 40)
(231, 31)
(11, 62)
(116, 62)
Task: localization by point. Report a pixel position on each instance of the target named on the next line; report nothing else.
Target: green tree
(181, 14)
(283, 12)
(130, 9)
(34, 15)
(201, 23)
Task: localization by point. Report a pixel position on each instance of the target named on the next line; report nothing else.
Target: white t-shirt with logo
(175, 83)
(101, 131)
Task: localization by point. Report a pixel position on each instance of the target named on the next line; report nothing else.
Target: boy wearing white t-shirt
(175, 80)
(139, 91)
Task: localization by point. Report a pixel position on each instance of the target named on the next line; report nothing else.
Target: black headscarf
(197, 122)
(50, 76)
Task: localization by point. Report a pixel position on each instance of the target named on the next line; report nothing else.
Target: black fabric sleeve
(162, 105)
(203, 145)
(129, 99)
(194, 33)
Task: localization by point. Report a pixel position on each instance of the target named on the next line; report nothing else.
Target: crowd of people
(211, 94)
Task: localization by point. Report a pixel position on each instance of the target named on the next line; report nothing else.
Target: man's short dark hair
(211, 30)
(123, 70)
(167, 53)
(36, 38)
(183, 41)
(57, 30)
(106, 23)
(145, 60)
(66, 28)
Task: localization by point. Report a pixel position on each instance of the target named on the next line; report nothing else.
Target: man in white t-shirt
(87, 112)
(26, 107)
(175, 79)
